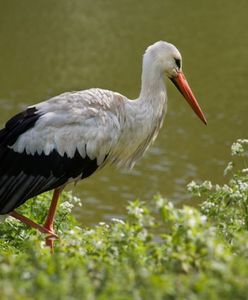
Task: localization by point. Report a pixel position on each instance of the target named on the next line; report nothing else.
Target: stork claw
(53, 236)
(50, 241)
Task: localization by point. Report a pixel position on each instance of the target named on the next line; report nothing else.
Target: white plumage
(88, 121)
(97, 123)
(71, 135)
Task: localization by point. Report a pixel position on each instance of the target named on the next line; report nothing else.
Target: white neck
(144, 116)
(152, 82)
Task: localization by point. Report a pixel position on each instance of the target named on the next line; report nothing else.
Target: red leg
(50, 219)
(48, 226)
(31, 223)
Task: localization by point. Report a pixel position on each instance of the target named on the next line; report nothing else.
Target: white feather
(71, 121)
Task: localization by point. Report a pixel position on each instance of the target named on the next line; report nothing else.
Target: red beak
(184, 88)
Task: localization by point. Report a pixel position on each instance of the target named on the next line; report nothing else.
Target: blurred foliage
(157, 252)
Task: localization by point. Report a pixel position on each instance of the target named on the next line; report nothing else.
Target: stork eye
(178, 63)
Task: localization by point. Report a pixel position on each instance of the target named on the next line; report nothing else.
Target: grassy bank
(157, 252)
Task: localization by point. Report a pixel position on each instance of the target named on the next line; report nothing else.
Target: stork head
(166, 59)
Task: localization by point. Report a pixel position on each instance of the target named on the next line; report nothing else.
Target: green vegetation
(158, 252)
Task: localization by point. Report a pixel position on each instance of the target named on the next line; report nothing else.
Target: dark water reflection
(48, 47)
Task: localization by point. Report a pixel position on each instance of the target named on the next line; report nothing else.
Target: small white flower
(66, 206)
(243, 186)
(137, 211)
(77, 201)
(219, 249)
(98, 244)
(227, 189)
(190, 212)
(236, 195)
(192, 222)
(228, 168)
(143, 235)
(237, 149)
(26, 275)
(207, 185)
(43, 244)
(207, 206)
(192, 186)
(118, 221)
(78, 228)
(243, 141)
(203, 219)
(217, 187)
(160, 202)
(89, 232)
(115, 251)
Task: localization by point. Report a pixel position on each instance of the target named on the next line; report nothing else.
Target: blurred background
(48, 47)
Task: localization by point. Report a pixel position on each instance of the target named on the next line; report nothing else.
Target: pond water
(49, 46)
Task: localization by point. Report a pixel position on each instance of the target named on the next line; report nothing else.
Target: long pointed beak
(184, 88)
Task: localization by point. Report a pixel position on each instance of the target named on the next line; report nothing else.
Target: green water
(48, 47)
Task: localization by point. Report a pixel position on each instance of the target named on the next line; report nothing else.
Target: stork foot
(31, 223)
(50, 241)
(51, 237)
(48, 226)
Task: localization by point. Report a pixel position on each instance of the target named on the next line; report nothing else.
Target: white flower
(77, 200)
(227, 189)
(191, 222)
(207, 206)
(219, 249)
(236, 195)
(228, 168)
(217, 187)
(66, 206)
(160, 202)
(170, 205)
(192, 186)
(243, 186)
(243, 141)
(118, 221)
(102, 223)
(26, 275)
(237, 149)
(89, 232)
(143, 235)
(207, 185)
(137, 211)
(98, 244)
(203, 219)
(78, 228)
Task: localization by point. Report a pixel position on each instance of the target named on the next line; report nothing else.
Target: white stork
(68, 137)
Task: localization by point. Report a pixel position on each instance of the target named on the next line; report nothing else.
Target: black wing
(23, 176)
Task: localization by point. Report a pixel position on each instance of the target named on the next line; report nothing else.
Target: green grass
(157, 252)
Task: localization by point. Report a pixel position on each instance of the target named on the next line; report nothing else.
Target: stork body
(70, 136)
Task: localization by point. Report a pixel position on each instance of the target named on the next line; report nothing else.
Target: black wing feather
(23, 176)
(18, 125)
